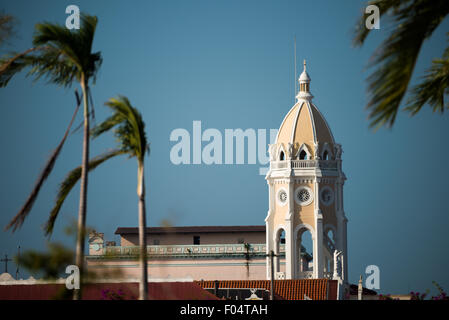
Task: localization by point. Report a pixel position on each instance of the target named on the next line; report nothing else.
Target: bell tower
(305, 183)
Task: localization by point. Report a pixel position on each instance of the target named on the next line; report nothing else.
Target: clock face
(282, 197)
(327, 196)
(303, 196)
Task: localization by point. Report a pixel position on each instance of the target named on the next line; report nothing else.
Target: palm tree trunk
(83, 192)
(143, 286)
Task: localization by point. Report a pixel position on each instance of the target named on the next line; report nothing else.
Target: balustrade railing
(305, 275)
(190, 249)
(309, 275)
(305, 164)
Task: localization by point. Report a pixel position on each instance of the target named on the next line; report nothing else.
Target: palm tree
(130, 133)
(414, 21)
(62, 56)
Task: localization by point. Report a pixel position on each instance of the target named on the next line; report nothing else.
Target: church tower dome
(305, 183)
(304, 125)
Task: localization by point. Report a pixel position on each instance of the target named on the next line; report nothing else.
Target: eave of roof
(192, 229)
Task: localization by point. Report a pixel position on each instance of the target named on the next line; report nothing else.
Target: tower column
(318, 254)
(268, 247)
(269, 228)
(289, 268)
(289, 245)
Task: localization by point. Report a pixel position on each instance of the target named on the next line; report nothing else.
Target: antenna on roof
(296, 89)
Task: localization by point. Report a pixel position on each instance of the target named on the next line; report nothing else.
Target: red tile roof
(316, 289)
(193, 229)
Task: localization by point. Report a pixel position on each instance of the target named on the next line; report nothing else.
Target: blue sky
(229, 64)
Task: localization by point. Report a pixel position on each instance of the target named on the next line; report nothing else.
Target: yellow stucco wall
(281, 211)
(305, 214)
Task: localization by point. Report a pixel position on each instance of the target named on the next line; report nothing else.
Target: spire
(304, 85)
(304, 77)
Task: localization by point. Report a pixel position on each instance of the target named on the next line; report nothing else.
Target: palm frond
(130, 127)
(60, 55)
(77, 46)
(19, 218)
(59, 37)
(14, 63)
(69, 182)
(433, 89)
(52, 66)
(106, 125)
(395, 59)
(361, 32)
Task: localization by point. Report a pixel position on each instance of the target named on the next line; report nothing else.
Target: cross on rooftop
(5, 260)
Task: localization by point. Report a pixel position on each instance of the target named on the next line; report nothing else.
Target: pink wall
(188, 269)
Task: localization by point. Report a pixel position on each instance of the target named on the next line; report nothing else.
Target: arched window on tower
(282, 237)
(330, 246)
(325, 155)
(330, 235)
(303, 155)
(304, 247)
(278, 243)
(282, 156)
